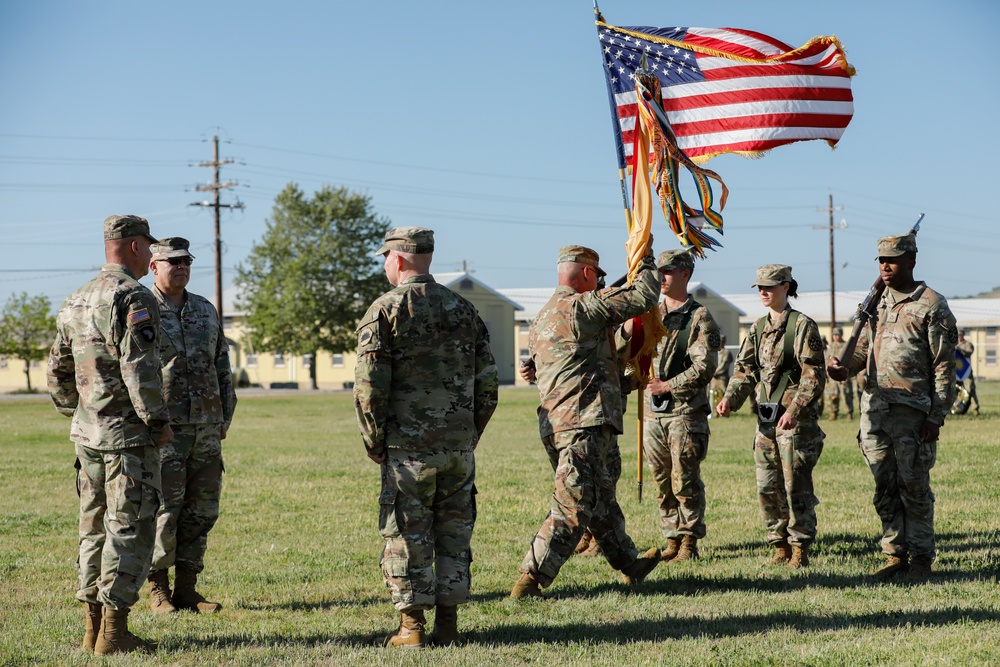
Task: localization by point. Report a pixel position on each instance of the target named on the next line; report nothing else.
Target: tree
(312, 276)
(27, 329)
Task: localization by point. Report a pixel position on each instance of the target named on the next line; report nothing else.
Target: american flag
(727, 90)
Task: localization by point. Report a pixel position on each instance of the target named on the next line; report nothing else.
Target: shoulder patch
(138, 316)
(953, 335)
(714, 340)
(815, 342)
(147, 333)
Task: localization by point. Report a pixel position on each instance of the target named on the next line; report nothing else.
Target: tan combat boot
(782, 554)
(920, 570)
(800, 556)
(893, 566)
(445, 626)
(584, 542)
(186, 597)
(688, 549)
(411, 632)
(93, 626)
(673, 546)
(636, 572)
(159, 593)
(526, 587)
(114, 636)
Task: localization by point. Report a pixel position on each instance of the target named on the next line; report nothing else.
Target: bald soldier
(425, 389)
(577, 374)
(104, 372)
(908, 354)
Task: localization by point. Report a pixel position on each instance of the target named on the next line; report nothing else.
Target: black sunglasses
(177, 261)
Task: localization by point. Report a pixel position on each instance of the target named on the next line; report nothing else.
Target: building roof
(450, 279)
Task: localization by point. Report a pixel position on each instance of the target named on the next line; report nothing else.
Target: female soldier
(780, 367)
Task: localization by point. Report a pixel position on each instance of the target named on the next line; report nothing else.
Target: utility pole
(833, 280)
(216, 187)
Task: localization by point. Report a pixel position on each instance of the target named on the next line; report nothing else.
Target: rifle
(866, 309)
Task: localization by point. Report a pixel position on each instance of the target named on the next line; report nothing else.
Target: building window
(991, 332)
(337, 360)
(36, 363)
(3, 361)
(466, 285)
(701, 293)
(524, 326)
(279, 359)
(307, 361)
(525, 354)
(251, 360)
(991, 357)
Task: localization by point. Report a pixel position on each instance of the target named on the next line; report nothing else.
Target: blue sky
(487, 122)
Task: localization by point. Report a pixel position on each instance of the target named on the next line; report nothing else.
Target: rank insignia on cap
(137, 316)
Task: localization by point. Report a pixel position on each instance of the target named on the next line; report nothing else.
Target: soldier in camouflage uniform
(723, 371)
(967, 349)
(104, 372)
(780, 367)
(839, 390)
(198, 386)
(675, 436)
(425, 388)
(577, 374)
(908, 354)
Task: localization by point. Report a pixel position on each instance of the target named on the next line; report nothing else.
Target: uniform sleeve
(942, 335)
(603, 308)
(703, 351)
(745, 373)
(372, 378)
(137, 324)
(224, 371)
(809, 354)
(61, 374)
(487, 380)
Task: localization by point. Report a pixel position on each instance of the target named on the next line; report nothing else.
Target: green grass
(294, 557)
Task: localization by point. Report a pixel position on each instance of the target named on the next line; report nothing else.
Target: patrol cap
(416, 240)
(126, 226)
(581, 255)
(838, 331)
(894, 246)
(674, 259)
(770, 275)
(174, 246)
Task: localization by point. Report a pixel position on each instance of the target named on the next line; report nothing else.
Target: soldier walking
(577, 373)
(104, 372)
(198, 387)
(908, 355)
(966, 349)
(835, 391)
(676, 430)
(425, 388)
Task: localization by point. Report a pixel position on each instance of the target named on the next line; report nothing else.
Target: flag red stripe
(763, 120)
(738, 71)
(753, 95)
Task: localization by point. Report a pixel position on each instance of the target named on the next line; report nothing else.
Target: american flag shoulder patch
(138, 316)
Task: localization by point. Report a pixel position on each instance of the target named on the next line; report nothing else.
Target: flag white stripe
(758, 108)
(753, 134)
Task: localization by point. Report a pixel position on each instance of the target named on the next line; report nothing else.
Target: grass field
(294, 557)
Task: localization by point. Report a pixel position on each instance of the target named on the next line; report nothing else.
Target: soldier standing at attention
(780, 368)
(717, 388)
(676, 429)
(425, 388)
(909, 359)
(577, 373)
(198, 387)
(966, 349)
(839, 390)
(104, 372)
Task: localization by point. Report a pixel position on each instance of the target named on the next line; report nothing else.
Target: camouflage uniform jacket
(722, 369)
(572, 344)
(909, 353)
(701, 359)
(194, 354)
(104, 367)
(966, 349)
(756, 369)
(425, 377)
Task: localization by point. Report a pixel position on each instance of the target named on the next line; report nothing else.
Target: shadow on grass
(316, 605)
(236, 641)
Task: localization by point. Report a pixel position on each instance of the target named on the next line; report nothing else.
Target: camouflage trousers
(785, 460)
(901, 465)
(675, 448)
(584, 497)
(835, 391)
(191, 471)
(970, 386)
(427, 511)
(119, 495)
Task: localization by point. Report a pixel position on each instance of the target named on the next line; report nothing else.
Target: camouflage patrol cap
(126, 226)
(894, 246)
(838, 331)
(674, 259)
(581, 255)
(770, 275)
(416, 240)
(174, 246)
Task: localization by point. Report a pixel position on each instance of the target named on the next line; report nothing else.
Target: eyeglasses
(177, 261)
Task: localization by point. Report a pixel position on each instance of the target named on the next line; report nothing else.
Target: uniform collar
(422, 278)
(894, 297)
(119, 268)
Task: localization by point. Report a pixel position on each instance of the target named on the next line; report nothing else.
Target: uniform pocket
(388, 522)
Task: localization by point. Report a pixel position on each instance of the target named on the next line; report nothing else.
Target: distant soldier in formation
(723, 372)
(966, 349)
(835, 391)
(578, 377)
(104, 372)
(780, 368)
(909, 356)
(676, 430)
(198, 386)
(425, 388)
